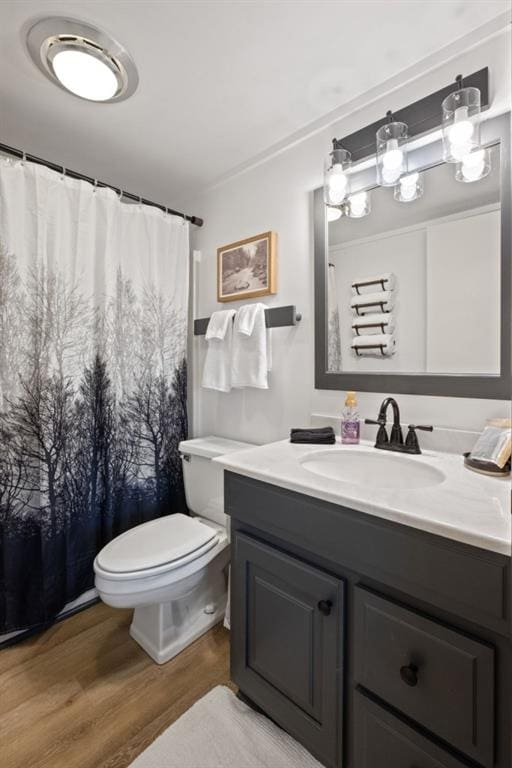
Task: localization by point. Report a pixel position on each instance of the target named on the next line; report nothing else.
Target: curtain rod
(75, 175)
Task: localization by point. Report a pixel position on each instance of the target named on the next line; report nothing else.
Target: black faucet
(395, 442)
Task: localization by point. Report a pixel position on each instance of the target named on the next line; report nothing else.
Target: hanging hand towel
(252, 356)
(384, 282)
(381, 344)
(217, 366)
(380, 301)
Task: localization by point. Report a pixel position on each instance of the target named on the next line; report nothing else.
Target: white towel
(383, 282)
(363, 344)
(380, 322)
(380, 301)
(252, 354)
(217, 366)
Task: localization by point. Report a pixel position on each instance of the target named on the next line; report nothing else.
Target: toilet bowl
(173, 570)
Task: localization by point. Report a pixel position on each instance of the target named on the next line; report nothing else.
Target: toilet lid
(158, 542)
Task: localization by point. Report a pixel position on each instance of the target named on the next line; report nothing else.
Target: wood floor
(84, 695)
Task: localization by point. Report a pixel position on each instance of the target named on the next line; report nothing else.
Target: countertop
(466, 507)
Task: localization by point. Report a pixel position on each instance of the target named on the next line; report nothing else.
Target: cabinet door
(287, 643)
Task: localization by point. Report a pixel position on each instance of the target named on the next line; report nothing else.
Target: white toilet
(173, 570)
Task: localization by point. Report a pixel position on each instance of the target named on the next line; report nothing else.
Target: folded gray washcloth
(320, 436)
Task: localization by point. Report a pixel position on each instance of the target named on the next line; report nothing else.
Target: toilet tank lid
(212, 446)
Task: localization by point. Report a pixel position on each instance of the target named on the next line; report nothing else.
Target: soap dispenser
(350, 426)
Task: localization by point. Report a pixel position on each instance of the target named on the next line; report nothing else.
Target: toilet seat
(156, 547)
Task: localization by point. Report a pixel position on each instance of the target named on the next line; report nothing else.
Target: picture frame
(247, 268)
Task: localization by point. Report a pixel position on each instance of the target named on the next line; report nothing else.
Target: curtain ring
(23, 158)
(120, 194)
(140, 203)
(95, 186)
(63, 173)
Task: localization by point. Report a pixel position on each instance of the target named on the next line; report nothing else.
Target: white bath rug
(220, 731)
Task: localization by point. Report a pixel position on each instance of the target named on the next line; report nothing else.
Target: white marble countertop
(466, 507)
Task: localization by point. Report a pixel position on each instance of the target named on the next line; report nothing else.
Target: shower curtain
(93, 323)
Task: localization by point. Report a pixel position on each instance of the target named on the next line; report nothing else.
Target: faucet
(395, 441)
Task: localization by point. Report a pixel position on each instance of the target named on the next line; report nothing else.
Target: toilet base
(165, 629)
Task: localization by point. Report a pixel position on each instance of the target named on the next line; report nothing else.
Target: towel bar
(275, 317)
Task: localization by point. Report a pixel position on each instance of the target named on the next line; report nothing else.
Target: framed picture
(248, 268)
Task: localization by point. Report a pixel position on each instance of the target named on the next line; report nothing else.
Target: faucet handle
(377, 422)
(382, 435)
(411, 441)
(428, 428)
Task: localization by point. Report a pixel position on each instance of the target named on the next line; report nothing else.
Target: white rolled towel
(381, 344)
(385, 282)
(371, 303)
(378, 322)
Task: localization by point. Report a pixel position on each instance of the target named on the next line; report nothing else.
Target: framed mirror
(414, 297)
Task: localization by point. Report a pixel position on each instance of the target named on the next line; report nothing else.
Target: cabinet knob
(324, 606)
(409, 674)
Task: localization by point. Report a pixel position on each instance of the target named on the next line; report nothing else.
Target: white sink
(373, 469)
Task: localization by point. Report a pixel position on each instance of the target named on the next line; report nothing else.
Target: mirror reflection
(414, 286)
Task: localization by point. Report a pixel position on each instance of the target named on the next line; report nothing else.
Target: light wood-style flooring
(84, 695)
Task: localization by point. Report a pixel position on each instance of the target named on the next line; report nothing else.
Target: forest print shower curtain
(93, 318)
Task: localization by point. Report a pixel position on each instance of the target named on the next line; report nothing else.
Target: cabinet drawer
(441, 679)
(384, 741)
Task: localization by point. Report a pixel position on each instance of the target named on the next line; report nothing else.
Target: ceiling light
(333, 214)
(473, 167)
(409, 188)
(461, 122)
(336, 183)
(358, 205)
(82, 59)
(391, 152)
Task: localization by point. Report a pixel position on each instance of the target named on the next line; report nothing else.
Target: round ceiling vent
(82, 59)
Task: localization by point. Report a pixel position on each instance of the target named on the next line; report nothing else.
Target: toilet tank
(203, 478)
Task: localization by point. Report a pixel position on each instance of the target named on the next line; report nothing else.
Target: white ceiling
(220, 80)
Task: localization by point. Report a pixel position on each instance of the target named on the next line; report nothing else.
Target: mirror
(440, 265)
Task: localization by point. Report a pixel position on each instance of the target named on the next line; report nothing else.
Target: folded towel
(385, 282)
(374, 344)
(378, 322)
(217, 365)
(320, 436)
(218, 325)
(380, 301)
(251, 358)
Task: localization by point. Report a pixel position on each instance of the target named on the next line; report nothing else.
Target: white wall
(276, 195)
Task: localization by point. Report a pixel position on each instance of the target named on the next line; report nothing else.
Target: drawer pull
(409, 674)
(324, 606)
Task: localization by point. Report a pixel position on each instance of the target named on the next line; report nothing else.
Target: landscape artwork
(247, 268)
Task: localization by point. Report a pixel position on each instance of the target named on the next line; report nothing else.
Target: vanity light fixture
(334, 212)
(474, 166)
(358, 205)
(391, 151)
(336, 181)
(82, 59)
(461, 122)
(409, 188)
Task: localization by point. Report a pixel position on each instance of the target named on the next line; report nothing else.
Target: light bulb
(358, 205)
(333, 214)
(473, 165)
(337, 182)
(408, 186)
(462, 129)
(391, 176)
(85, 75)
(393, 156)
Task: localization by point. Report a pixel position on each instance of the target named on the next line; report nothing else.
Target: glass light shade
(336, 181)
(391, 153)
(358, 205)
(85, 75)
(461, 124)
(333, 214)
(473, 167)
(409, 188)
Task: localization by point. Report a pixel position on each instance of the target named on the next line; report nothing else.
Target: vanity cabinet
(375, 645)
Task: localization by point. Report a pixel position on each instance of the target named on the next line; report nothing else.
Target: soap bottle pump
(350, 426)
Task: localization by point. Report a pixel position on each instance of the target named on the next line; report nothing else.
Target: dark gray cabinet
(288, 625)
(373, 644)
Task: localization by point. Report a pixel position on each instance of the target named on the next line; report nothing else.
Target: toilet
(173, 571)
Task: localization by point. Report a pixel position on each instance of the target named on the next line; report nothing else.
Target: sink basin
(373, 469)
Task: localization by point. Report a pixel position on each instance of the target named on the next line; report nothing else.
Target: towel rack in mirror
(275, 317)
